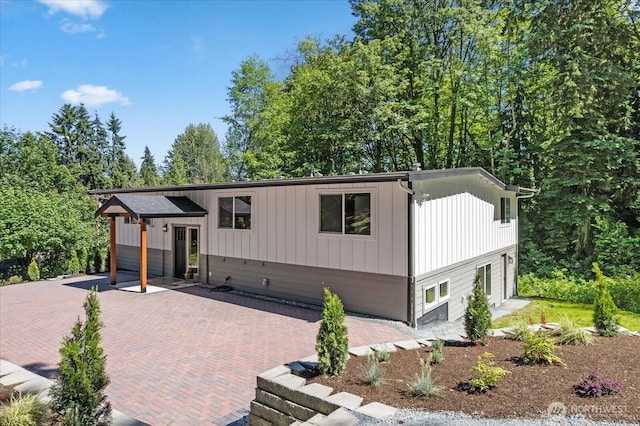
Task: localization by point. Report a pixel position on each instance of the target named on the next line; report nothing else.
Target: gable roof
(150, 206)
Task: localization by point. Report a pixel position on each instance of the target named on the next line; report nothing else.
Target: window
(234, 212)
(505, 210)
(346, 213)
(192, 258)
(436, 293)
(485, 278)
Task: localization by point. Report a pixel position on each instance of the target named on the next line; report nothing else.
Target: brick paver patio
(174, 357)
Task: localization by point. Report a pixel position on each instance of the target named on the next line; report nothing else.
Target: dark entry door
(180, 253)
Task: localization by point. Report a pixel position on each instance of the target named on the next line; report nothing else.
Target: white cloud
(73, 28)
(91, 95)
(21, 63)
(86, 9)
(21, 86)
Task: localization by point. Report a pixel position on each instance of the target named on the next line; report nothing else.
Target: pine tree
(477, 317)
(148, 169)
(604, 308)
(332, 343)
(78, 394)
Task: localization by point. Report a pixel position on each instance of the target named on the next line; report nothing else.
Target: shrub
(423, 384)
(15, 279)
(477, 317)
(97, 261)
(83, 260)
(593, 386)
(78, 393)
(332, 343)
(33, 271)
(539, 349)
(604, 310)
(383, 356)
(23, 410)
(373, 372)
(436, 352)
(488, 374)
(73, 267)
(570, 333)
(520, 329)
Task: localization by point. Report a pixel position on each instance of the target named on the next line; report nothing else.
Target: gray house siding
(461, 277)
(367, 293)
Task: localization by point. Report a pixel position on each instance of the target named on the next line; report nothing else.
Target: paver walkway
(174, 357)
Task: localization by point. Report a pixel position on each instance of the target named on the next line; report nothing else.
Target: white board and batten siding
(285, 228)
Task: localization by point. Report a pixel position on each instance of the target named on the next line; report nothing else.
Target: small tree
(477, 317)
(83, 260)
(604, 308)
(33, 271)
(332, 343)
(78, 394)
(73, 267)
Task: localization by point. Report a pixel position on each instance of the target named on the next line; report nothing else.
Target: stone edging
(284, 398)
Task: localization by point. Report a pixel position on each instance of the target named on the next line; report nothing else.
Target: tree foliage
(332, 343)
(604, 309)
(477, 316)
(197, 152)
(78, 396)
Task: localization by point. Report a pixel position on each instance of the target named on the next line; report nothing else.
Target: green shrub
(33, 272)
(625, 291)
(521, 329)
(373, 372)
(436, 353)
(15, 279)
(73, 267)
(604, 310)
(477, 317)
(97, 261)
(23, 410)
(78, 393)
(423, 384)
(383, 356)
(83, 260)
(488, 374)
(539, 349)
(332, 343)
(570, 333)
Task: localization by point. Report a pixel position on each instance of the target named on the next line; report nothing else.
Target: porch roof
(150, 206)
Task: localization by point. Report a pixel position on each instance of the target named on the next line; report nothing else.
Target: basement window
(485, 278)
(234, 212)
(346, 213)
(435, 293)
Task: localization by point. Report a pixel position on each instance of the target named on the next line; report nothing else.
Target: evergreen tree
(477, 316)
(175, 171)
(78, 394)
(121, 170)
(33, 272)
(332, 343)
(604, 308)
(148, 169)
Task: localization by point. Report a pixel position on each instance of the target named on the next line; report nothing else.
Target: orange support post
(112, 255)
(143, 256)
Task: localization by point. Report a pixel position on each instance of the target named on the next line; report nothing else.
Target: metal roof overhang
(150, 206)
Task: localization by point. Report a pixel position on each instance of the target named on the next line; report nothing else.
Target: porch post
(112, 256)
(143, 256)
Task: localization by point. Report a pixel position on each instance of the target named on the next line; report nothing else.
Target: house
(401, 245)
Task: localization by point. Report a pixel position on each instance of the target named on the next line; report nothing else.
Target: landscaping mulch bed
(527, 392)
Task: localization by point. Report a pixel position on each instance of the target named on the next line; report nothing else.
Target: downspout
(411, 279)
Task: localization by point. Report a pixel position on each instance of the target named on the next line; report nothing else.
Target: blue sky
(158, 65)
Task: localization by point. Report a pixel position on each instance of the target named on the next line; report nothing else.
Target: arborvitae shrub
(97, 261)
(332, 343)
(78, 393)
(604, 309)
(33, 271)
(73, 267)
(477, 317)
(83, 260)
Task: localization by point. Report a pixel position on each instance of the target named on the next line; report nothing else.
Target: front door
(180, 252)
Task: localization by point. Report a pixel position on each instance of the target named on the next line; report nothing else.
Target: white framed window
(485, 277)
(346, 213)
(234, 212)
(436, 293)
(505, 210)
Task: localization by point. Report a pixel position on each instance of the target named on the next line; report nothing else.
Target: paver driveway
(174, 357)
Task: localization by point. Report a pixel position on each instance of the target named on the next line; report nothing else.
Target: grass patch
(555, 311)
